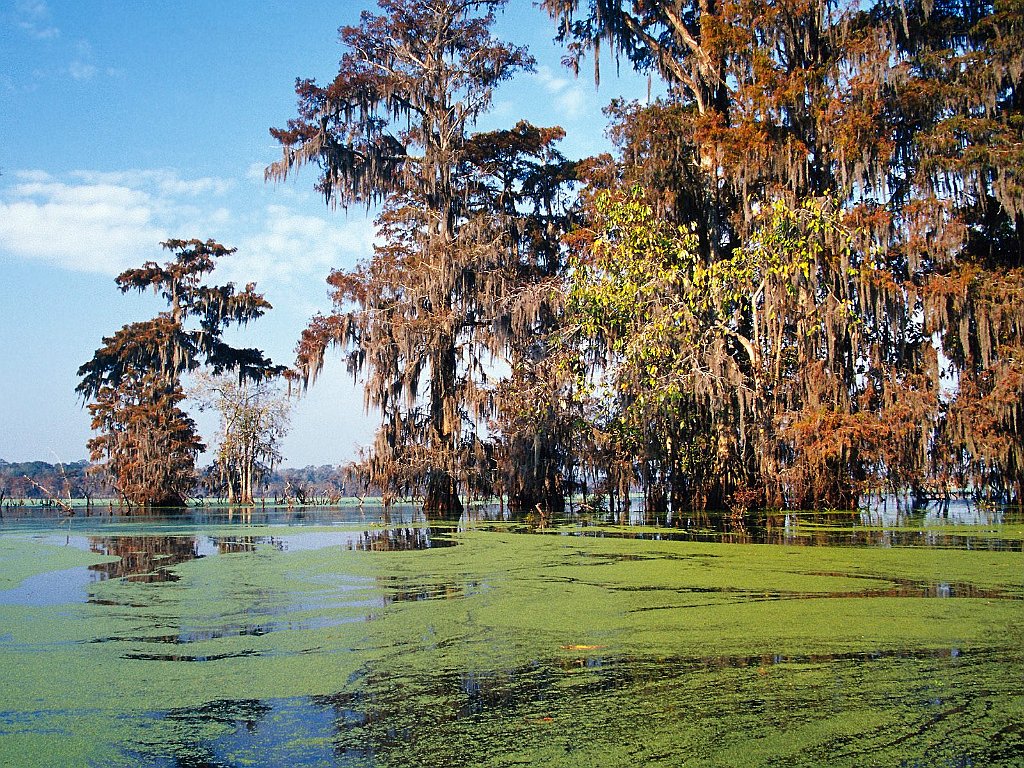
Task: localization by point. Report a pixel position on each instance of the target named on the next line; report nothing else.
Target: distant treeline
(308, 485)
(40, 480)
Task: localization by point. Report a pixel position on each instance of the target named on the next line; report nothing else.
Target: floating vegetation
(293, 644)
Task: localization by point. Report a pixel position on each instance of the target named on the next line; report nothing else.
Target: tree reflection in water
(147, 559)
(230, 545)
(876, 526)
(151, 559)
(399, 540)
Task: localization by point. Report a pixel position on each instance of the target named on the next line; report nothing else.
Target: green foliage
(692, 354)
(147, 443)
(635, 296)
(849, 178)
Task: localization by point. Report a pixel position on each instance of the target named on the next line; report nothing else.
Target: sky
(125, 124)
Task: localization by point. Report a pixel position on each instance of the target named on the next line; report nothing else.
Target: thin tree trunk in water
(250, 469)
(246, 484)
(624, 489)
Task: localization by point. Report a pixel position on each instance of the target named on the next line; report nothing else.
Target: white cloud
(166, 182)
(570, 97)
(255, 172)
(33, 18)
(107, 221)
(195, 188)
(40, 32)
(60, 195)
(552, 82)
(104, 222)
(80, 70)
(220, 216)
(502, 109)
(82, 67)
(290, 251)
(40, 176)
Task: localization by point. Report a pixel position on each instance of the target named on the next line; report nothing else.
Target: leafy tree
(147, 443)
(469, 224)
(635, 315)
(253, 421)
(905, 116)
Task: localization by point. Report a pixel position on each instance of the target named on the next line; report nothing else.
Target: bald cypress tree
(466, 221)
(146, 443)
(884, 348)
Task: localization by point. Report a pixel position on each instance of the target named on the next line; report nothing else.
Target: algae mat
(360, 645)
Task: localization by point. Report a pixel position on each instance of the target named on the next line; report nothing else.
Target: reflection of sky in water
(889, 511)
(52, 588)
(286, 732)
(60, 540)
(71, 585)
(211, 545)
(885, 522)
(271, 732)
(303, 542)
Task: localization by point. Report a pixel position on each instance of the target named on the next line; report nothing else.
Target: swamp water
(333, 639)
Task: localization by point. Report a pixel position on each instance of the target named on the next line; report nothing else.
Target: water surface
(349, 638)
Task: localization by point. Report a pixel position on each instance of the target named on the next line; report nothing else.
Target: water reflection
(152, 558)
(51, 588)
(883, 522)
(231, 545)
(149, 559)
(502, 690)
(279, 732)
(949, 525)
(399, 540)
(399, 590)
(37, 516)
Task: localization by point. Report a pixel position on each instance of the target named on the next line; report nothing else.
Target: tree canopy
(797, 279)
(147, 443)
(847, 177)
(468, 221)
(254, 419)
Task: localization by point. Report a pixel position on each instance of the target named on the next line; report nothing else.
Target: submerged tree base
(442, 495)
(553, 504)
(170, 500)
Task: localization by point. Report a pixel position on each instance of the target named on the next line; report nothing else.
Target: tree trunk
(527, 499)
(246, 484)
(442, 494)
(166, 500)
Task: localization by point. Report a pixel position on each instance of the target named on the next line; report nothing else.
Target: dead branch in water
(66, 506)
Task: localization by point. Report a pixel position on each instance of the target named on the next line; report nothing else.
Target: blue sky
(123, 124)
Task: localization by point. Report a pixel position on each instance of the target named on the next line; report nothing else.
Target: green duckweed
(252, 645)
